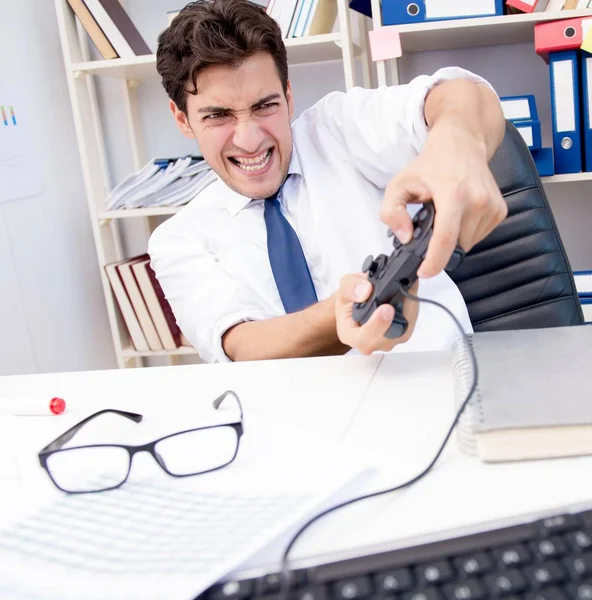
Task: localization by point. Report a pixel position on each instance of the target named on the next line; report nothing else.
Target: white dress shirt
(211, 258)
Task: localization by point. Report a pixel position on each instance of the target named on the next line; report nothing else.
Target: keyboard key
(548, 594)
(434, 573)
(583, 591)
(579, 540)
(479, 563)
(352, 589)
(472, 589)
(509, 582)
(431, 593)
(579, 567)
(549, 573)
(552, 547)
(558, 524)
(513, 556)
(232, 590)
(318, 592)
(398, 580)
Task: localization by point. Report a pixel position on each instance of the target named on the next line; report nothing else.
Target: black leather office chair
(519, 277)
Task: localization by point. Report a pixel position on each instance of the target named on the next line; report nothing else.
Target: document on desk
(161, 537)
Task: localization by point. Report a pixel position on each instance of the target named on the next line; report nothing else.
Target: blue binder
(401, 12)
(564, 71)
(531, 133)
(543, 159)
(586, 70)
(519, 108)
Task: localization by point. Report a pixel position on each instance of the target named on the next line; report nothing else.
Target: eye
(268, 108)
(217, 118)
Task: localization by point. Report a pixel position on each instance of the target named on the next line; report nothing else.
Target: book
(96, 34)
(533, 394)
(583, 281)
(118, 27)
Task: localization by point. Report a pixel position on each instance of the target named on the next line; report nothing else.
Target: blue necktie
(287, 260)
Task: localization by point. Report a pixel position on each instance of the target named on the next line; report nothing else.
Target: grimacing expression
(240, 118)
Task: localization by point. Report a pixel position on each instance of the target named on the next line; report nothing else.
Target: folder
(519, 108)
(554, 36)
(400, 12)
(526, 6)
(586, 105)
(543, 159)
(530, 132)
(565, 110)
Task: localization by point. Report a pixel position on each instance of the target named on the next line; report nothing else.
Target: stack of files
(110, 28)
(583, 281)
(522, 112)
(559, 43)
(165, 182)
(402, 12)
(146, 312)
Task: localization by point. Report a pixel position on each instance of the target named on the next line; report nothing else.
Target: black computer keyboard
(541, 559)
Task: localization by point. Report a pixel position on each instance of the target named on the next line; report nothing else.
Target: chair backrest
(519, 277)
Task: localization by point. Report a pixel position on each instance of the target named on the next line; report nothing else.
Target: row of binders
(296, 18)
(162, 182)
(146, 312)
(110, 28)
(404, 12)
(560, 43)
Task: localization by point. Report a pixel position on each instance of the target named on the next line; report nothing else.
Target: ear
(181, 120)
(290, 100)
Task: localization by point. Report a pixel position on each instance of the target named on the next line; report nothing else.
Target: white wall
(52, 313)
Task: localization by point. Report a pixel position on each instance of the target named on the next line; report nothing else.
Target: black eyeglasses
(102, 467)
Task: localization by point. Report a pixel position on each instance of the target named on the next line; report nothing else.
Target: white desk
(396, 408)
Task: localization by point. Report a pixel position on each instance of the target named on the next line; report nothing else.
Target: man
(255, 275)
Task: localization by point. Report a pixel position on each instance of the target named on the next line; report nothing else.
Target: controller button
(368, 264)
(416, 232)
(390, 233)
(423, 214)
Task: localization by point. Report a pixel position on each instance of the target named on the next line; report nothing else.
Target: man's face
(241, 120)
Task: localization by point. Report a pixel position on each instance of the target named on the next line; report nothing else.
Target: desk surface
(394, 408)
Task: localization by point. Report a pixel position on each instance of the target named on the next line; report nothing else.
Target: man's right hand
(369, 337)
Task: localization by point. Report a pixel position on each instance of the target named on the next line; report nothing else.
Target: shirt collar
(237, 202)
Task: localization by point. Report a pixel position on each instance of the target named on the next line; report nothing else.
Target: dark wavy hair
(215, 32)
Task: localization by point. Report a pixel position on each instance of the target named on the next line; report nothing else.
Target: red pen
(32, 406)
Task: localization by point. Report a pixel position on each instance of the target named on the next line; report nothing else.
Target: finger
(394, 212)
(354, 287)
(371, 336)
(447, 223)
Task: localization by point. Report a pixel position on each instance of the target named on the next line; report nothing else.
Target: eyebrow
(222, 109)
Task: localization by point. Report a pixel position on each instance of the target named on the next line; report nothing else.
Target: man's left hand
(452, 170)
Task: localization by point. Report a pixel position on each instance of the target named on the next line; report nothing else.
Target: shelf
(316, 48)
(139, 212)
(181, 351)
(567, 178)
(485, 31)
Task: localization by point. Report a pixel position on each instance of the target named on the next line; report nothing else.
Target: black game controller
(388, 275)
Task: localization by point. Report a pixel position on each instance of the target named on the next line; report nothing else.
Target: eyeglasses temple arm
(68, 435)
(220, 399)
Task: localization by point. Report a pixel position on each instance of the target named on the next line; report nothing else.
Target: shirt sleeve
(383, 129)
(189, 275)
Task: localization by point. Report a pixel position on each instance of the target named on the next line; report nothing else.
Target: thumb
(394, 213)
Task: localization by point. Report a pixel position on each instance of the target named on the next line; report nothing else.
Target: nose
(248, 136)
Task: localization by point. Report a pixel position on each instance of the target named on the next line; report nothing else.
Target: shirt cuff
(420, 128)
(216, 350)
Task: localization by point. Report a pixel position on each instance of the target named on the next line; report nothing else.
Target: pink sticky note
(385, 43)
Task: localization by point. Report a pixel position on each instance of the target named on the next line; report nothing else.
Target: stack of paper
(162, 537)
(162, 183)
